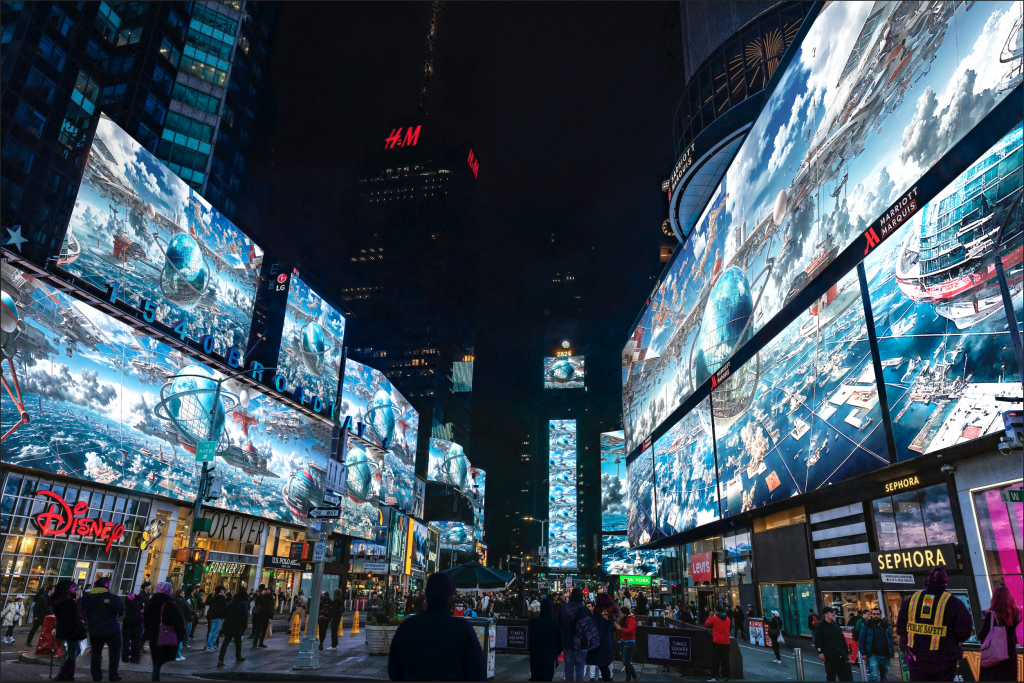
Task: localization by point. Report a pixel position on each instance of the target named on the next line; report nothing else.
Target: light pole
(543, 534)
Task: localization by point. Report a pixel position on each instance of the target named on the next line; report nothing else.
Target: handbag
(994, 649)
(167, 635)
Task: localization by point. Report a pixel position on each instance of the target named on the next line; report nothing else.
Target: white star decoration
(15, 239)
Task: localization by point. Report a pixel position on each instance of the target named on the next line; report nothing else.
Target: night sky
(569, 107)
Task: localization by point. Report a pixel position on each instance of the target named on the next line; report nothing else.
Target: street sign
(316, 512)
(205, 451)
(319, 550)
(331, 499)
(898, 578)
(337, 474)
(1012, 496)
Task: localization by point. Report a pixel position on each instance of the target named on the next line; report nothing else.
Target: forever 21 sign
(228, 527)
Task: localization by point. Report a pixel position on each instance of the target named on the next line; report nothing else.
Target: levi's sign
(912, 560)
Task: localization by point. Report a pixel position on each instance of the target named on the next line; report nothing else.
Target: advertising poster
(614, 495)
(360, 508)
(109, 405)
(139, 225)
(398, 533)
(311, 343)
(391, 423)
(477, 492)
(617, 558)
(875, 95)
(562, 531)
(369, 557)
(448, 464)
(755, 626)
(420, 544)
(684, 474)
(564, 372)
(640, 522)
(455, 536)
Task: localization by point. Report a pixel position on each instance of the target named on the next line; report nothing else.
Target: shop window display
(792, 600)
(912, 519)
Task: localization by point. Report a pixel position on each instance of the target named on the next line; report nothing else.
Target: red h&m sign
(474, 164)
(68, 521)
(396, 139)
(700, 566)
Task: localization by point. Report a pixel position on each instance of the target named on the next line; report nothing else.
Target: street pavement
(351, 662)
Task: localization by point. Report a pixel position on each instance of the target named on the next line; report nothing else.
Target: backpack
(587, 638)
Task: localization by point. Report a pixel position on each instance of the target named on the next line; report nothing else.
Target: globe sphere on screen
(561, 371)
(300, 492)
(191, 411)
(361, 470)
(8, 313)
(457, 535)
(184, 278)
(455, 466)
(313, 344)
(380, 416)
(723, 330)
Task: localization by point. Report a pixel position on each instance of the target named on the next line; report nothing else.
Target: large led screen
(369, 556)
(420, 545)
(448, 464)
(455, 536)
(614, 496)
(564, 372)
(804, 412)
(942, 330)
(311, 342)
(360, 508)
(476, 491)
(139, 225)
(618, 558)
(106, 404)
(391, 422)
(641, 523)
(875, 95)
(684, 475)
(562, 533)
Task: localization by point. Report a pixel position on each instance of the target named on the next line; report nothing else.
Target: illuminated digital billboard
(562, 532)
(360, 507)
(109, 405)
(614, 495)
(564, 372)
(420, 545)
(390, 422)
(476, 490)
(875, 95)
(448, 464)
(617, 558)
(641, 526)
(684, 474)
(455, 536)
(312, 339)
(170, 252)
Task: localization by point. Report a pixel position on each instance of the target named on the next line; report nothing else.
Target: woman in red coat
(627, 643)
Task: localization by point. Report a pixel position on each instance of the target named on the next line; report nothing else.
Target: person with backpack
(605, 614)
(102, 609)
(575, 621)
(627, 642)
(721, 626)
(998, 636)
(132, 628)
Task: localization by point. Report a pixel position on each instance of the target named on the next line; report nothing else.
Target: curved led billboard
(875, 95)
(617, 558)
(640, 523)
(684, 474)
(455, 536)
(614, 498)
(477, 490)
(562, 531)
(447, 463)
(137, 224)
(312, 339)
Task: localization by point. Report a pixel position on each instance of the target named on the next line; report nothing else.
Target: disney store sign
(61, 519)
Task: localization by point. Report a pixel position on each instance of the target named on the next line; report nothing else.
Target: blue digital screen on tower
(562, 530)
(564, 372)
(447, 463)
(614, 495)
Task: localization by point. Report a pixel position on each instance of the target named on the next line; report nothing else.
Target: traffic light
(215, 488)
(192, 575)
(197, 556)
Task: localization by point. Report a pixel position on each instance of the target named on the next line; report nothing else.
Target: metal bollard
(863, 669)
(798, 657)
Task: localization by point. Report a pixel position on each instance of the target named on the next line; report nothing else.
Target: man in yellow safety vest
(931, 625)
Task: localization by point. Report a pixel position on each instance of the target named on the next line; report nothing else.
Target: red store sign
(68, 521)
(700, 566)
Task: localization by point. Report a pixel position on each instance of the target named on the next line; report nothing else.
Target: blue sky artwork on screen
(138, 224)
(804, 412)
(455, 536)
(368, 396)
(942, 330)
(476, 490)
(874, 96)
(447, 463)
(420, 542)
(562, 532)
(684, 475)
(640, 522)
(106, 404)
(564, 372)
(311, 342)
(613, 482)
(617, 558)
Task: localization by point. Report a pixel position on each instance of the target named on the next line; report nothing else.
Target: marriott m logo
(873, 240)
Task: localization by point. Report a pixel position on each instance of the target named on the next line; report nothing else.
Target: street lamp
(543, 533)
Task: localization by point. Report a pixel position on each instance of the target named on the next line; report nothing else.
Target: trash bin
(485, 630)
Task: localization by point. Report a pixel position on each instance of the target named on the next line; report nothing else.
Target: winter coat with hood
(236, 617)
(568, 617)
(545, 635)
(70, 626)
(720, 625)
(216, 606)
(102, 609)
(155, 616)
(134, 609)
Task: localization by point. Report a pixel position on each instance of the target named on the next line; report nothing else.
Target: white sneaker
(180, 659)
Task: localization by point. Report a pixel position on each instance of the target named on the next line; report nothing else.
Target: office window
(52, 54)
(155, 109)
(188, 127)
(119, 65)
(87, 87)
(194, 98)
(205, 71)
(29, 118)
(17, 155)
(112, 93)
(162, 81)
(40, 85)
(170, 53)
(107, 22)
(94, 50)
(60, 21)
(176, 23)
(7, 34)
(129, 36)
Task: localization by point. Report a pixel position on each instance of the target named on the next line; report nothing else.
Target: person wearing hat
(775, 634)
(102, 609)
(832, 647)
(932, 625)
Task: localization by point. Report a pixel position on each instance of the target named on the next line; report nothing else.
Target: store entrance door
(104, 570)
(706, 602)
(82, 572)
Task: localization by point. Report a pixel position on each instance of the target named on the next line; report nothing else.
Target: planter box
(378, 638)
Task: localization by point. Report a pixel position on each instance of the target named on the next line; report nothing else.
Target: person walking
(323, 622)
(260, 618)
(162, 611)
(738, 623)
(40, 610)
(775, 634)
(832, 648)
(236, 619)
(216, 606)
(69, 629)
(132, 628)
(998, 636)
(185, 606)
(436, 646)
(569, 617)
(606, 613)
(812, 620)
(720, 625)
(875, 645)
(102, 610)
(337, 615)
(545, 643)
(10, 618)
(932, 625)
(627, 642)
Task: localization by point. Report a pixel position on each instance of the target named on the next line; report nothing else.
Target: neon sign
(72, 520)
(412, 136)
(474, 164)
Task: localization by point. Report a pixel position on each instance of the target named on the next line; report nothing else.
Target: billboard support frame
(876, 361)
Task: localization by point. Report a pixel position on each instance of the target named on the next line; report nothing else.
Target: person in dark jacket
(262, 613)
(933, 608)
(832, 648)
(70, 629)
(545, 643)
(40, 610)
(568, 617)
(606, 613)
(774, 627)
(216, 606)
(132, 628)
(738, 622)
(162, 611)
(102, 609)
(337, 613)
(641, 604)
(185, 606)
(435, 646)
(236, 620)
(875, 645)
(323, 617)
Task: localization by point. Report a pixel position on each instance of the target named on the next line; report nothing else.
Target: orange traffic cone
(355, 623)
(295, 637)
(341, 630)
